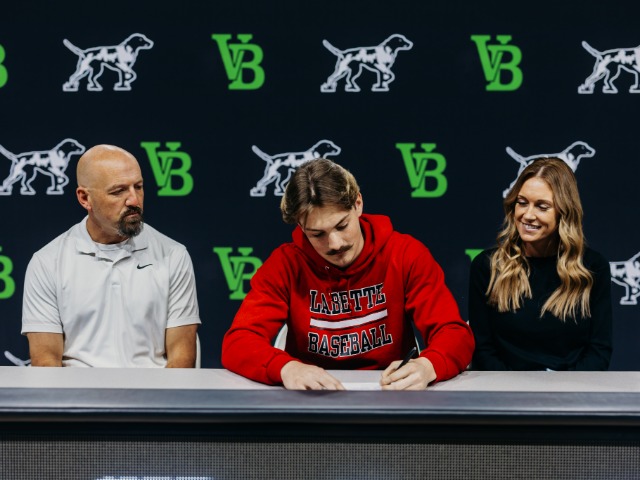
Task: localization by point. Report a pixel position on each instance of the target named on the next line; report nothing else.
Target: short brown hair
(318, 183)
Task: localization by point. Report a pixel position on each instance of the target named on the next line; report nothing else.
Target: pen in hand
(407, 357)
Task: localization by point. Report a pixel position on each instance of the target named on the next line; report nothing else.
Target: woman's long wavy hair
(509, 282)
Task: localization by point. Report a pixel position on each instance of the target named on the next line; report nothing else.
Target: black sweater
(522, 340)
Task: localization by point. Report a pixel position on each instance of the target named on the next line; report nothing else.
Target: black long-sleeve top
(522, 340)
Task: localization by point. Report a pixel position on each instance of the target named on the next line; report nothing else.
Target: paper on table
(364, 386)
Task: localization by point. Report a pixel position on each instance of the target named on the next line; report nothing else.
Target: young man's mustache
(342, 250)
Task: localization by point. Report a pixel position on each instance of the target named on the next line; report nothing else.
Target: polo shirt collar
(86, 245)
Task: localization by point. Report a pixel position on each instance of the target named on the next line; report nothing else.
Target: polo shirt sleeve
(39, 302)
(183, 299)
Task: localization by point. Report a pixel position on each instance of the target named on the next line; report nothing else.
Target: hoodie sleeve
(448, 339)
(247, 347)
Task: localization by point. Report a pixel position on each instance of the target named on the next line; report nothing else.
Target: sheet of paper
(364, 386)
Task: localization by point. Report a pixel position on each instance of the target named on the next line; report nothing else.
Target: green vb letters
(233, 267)
(3, 70)
(472, 252)
(416, 164)
(235, 61)
(167, 165)
(7, 284)
(494, 63)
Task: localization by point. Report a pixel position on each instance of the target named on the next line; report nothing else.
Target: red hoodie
(358, 317)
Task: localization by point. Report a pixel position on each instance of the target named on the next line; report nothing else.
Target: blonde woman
(541, 299)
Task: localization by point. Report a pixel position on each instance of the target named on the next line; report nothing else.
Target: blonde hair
(318, 183)
(509, 282)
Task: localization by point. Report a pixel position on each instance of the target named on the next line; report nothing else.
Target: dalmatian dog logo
(570, 155)
(609, 65)
(53, 163)
(15, 360)
(120, 58)
(281, 166)
(353, 61)
(627, 274)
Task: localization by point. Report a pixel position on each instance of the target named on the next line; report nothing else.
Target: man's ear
(359, 205)
(83, 198)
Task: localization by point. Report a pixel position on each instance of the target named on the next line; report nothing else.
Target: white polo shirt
(112, 303)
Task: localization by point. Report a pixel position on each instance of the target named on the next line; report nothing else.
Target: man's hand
(415, 375)
(300, 376)
(45, 349)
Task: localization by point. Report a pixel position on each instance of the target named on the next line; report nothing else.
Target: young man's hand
(300, 376)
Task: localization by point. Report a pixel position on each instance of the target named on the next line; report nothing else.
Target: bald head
(110, 188)
(97, 161)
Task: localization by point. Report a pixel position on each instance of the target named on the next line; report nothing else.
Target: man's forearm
(44, 361)
(184, 361)
(181, 346)
(45, 349)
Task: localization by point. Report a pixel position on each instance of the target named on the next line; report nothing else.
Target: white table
(109, 423)
(220, 379)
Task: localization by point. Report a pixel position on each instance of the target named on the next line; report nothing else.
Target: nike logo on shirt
(140, 267)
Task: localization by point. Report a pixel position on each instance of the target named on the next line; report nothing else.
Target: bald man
(111, 291)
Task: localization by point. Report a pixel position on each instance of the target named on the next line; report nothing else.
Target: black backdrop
(441, 95)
